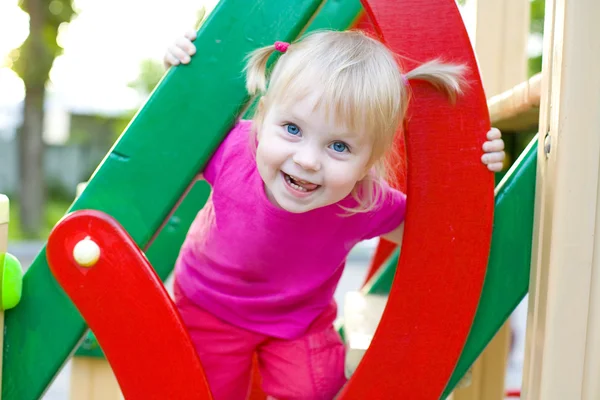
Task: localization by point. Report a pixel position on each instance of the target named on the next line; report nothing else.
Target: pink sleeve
(388, 215)
(215, 163)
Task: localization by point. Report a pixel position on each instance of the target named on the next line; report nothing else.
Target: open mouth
(299, 184)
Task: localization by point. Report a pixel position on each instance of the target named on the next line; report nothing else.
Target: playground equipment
(11, 273)
(37, 343)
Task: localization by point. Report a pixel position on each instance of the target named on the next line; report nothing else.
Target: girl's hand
(181, 51)
(494, 150)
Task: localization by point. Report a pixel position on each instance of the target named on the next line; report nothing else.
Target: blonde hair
(362, 85)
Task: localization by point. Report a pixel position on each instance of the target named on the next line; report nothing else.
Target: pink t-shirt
(259, 267)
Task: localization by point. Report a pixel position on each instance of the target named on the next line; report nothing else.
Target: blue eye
(339, 147)
(292, 129)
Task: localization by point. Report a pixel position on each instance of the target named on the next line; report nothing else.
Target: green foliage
(151, 72)
(536, 27)
(537, 16)
(34, 59)
(55, 210)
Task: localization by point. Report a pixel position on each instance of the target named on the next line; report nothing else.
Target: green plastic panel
(507, 277)
(144, 175)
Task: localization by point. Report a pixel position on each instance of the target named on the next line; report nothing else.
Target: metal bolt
(547, 145)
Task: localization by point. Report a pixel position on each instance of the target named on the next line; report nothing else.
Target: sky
(103, 48)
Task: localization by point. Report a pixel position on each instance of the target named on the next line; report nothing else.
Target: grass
(55, 209)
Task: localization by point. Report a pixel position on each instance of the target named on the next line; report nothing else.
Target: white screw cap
(86, 253)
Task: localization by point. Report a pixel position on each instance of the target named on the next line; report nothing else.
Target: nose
(307, 157)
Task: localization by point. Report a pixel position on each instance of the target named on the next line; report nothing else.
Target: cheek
(268, 153)
(343, 176)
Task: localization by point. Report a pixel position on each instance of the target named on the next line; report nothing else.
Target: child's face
(305, 159)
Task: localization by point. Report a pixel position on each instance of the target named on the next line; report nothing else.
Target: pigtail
(256, 69)
(447, 78)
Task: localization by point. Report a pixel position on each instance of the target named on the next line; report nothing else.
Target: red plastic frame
(449, 219)
(127, 307)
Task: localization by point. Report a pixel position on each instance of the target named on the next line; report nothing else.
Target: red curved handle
(449, 217)
(128, 309)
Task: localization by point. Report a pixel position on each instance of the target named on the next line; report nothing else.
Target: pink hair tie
(281, 46)
(404, 79)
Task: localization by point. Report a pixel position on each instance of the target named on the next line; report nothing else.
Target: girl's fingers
(179, 54)
(170, 59)
(495, 167)
(493, 145)
(191, 35)
(490, 158)
(494, 133)
(186, 45)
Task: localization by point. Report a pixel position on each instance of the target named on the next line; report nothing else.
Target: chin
(295, 208)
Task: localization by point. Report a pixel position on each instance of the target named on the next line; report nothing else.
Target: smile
(299, 186)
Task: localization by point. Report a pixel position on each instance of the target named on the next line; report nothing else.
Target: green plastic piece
(507, 277)
(146, 172)
(12, 280)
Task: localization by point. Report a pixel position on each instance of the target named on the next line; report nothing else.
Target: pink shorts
(310, 367)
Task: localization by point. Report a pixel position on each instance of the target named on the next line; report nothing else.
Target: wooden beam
(93, 379)
(501, 35)
(517, 109)
(563, 352)
(4, 218)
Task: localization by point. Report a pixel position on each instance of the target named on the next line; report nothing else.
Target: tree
(32, 62)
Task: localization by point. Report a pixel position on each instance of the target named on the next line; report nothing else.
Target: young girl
(293, 191)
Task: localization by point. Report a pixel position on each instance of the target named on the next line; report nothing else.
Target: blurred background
(72, 75)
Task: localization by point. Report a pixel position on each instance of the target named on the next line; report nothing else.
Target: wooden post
(4, 218)
(563, 352)
(488, 372)
(501, 35)
(92, 378)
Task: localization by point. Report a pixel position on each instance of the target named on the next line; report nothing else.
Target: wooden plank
(4, 219)
(563, 356)
(487, 379)
(362, 313)
(517, 109)
(93, 379)
(501, 35)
